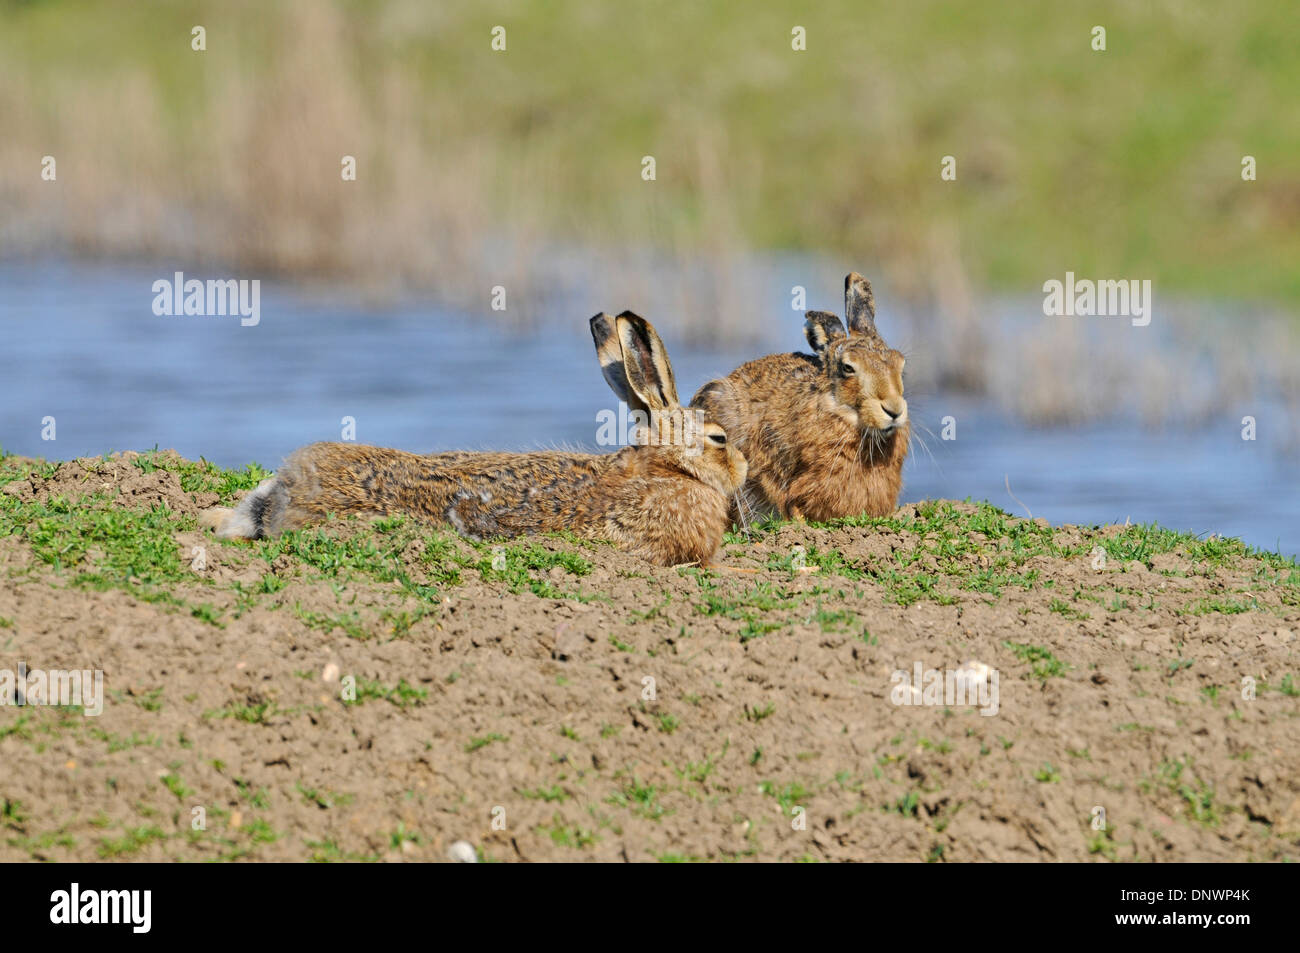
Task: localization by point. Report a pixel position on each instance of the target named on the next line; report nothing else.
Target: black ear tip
(634, 322)
(855, 280)
(602, 328)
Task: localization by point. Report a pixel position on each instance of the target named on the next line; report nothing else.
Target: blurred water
(81, 344)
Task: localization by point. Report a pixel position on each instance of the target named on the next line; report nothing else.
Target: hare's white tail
(258, 514)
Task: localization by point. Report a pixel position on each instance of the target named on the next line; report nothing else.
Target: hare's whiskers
(740, 511)
(926, 447)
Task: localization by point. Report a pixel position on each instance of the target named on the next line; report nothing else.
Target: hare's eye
(719, 438)
(846, 369)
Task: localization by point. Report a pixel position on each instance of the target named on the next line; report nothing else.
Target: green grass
(401, 695)
(95, 542)
(1287, 686)
(1042, 662)
(477, 744)
(256, 714)
(152, 700)
(1103, 844)
(375, 556)
(947, 551)
(750, 605)
(322, 798)
(256, 797)
(1197, 795)
(789, 796)
(1061, 607)
(758, 714)
(832, 620)
(1210, 605)
(202, 476)
(907, 805)
(640, 799)
(566, 835)
(133, 547)
(522, 563)
(699, 772)
(131, 842)
(178, 787)
(117, 743)
(12, 813)
(349, 623)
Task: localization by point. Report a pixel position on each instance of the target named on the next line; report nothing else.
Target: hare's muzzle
(894, 412)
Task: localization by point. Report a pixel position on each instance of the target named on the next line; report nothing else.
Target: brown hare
(825, 435)
(665, 500)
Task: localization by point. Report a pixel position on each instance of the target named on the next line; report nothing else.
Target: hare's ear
(609, 352)
(859, 305)
(645, 362)
(821, 328)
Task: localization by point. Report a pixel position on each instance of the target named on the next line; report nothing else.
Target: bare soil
(378, 691)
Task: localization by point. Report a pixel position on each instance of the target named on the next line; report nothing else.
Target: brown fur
(820, 441)
(666, 502)
(638, 498)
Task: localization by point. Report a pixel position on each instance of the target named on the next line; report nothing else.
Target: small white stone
(462, 852)
(331, 673)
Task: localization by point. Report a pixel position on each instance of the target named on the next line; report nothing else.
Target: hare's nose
(893, 414)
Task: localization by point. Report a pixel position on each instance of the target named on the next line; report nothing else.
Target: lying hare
(824, 435)
(666, 501)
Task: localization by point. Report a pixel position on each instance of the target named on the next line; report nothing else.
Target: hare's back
(758, 381)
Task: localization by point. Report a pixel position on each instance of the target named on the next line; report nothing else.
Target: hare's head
(862, 375)
(636, 367)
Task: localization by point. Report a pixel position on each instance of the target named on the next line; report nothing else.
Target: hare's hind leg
(215, 517)
(260, 513)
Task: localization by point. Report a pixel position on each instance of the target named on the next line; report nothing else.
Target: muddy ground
(380, 690)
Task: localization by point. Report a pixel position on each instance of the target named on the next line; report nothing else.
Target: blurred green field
(1123, 163)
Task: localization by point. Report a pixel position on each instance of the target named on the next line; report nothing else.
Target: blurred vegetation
(1123, 163)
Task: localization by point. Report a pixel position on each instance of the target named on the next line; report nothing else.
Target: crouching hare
(667, 501)
(825, 435)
